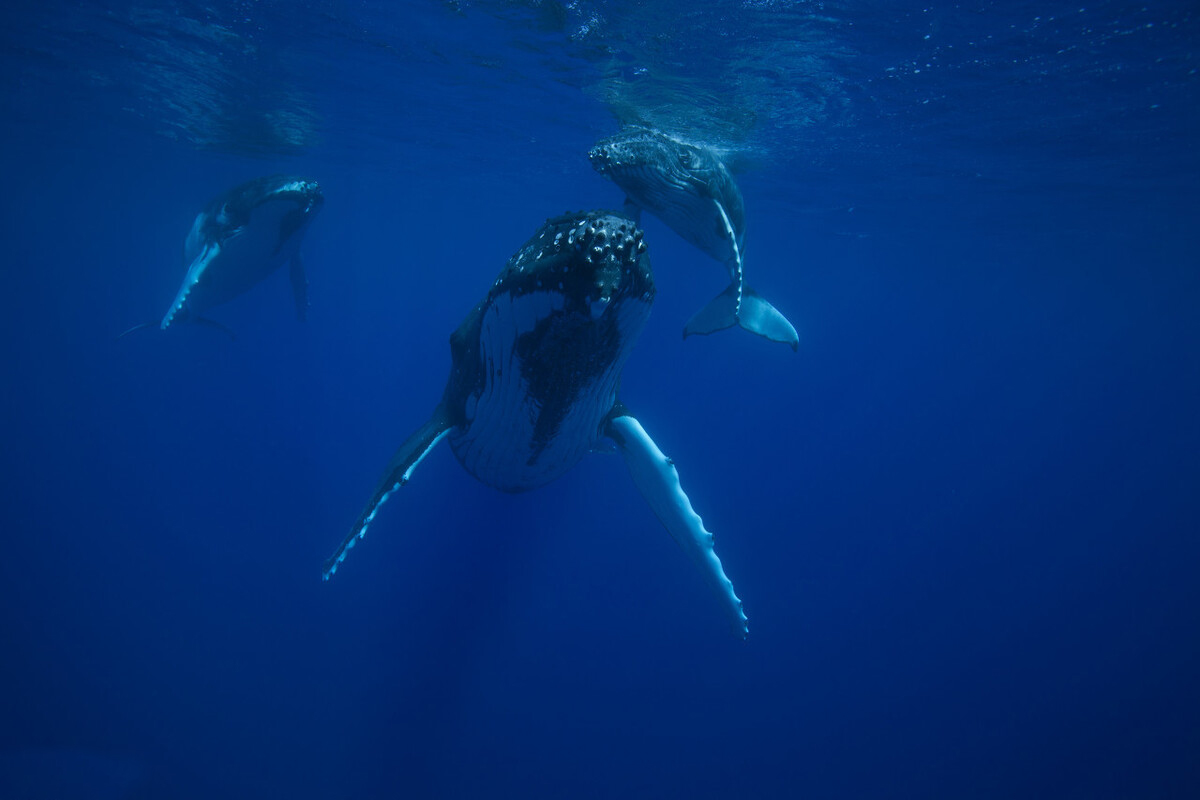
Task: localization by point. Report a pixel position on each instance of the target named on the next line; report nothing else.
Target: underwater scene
(600, 399)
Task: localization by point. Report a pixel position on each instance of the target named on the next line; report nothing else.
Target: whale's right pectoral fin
(397, 473)
(658, 481)
(178, 310)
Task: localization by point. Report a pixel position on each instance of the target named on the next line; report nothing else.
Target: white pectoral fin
(398, 472)
(195, 270)
(657, 479)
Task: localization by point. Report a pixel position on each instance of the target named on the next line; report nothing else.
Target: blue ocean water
(964, 517)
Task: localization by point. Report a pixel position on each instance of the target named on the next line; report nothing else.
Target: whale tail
(754, 314)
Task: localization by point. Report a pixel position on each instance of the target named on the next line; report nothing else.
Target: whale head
(641, 154)
(537, 363)
(292, 201)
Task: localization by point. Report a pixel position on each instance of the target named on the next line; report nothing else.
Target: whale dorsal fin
(657, 479)
(398, 472)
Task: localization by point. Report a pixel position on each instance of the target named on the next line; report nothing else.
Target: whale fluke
(756, 315)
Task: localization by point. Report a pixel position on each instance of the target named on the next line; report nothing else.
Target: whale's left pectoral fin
(657, 479)
(398, 472)
(299, 287)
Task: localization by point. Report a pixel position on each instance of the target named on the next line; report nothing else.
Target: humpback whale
(533, 382)
(239, 239)
(690, 189)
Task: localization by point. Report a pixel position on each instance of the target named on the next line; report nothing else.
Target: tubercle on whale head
(307, 192)
(316, 198)
(599, 156)
(558, 259)
(590, 259)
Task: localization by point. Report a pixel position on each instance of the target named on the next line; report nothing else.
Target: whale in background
(692, 191)
(534, 374)
(239, 239)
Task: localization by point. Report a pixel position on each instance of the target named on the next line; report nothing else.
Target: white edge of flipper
(398, 472)
(657, 479)
(195, 270)
(738, 276)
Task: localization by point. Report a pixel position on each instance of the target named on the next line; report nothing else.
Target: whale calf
(239, 239)
(533, 383)
(692, 191)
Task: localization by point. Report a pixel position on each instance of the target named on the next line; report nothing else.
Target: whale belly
(247, 258)
(681, 205)
(549, 380)
(228, 268)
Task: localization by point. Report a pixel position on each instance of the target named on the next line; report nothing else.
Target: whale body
(534, 376)
(239, 239)
(691, 190)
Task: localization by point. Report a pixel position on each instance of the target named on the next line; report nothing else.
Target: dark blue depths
(963, 518)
